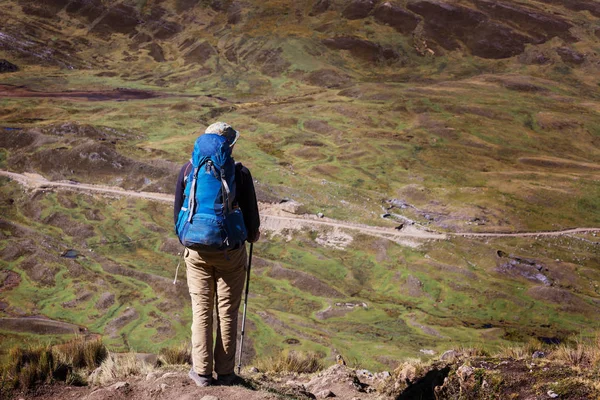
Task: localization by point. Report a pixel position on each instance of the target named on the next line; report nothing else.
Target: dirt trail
(273, 217)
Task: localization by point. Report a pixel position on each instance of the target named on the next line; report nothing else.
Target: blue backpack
(208, 218)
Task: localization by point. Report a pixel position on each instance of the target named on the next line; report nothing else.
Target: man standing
(215, 273)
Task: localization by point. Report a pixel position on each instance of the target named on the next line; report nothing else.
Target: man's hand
(256, 238)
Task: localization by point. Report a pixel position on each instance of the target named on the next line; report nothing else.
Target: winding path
(271, 217)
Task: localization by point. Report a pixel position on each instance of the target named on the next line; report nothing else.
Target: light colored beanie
(224, 129)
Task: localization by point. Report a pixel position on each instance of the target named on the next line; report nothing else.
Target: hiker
(225, 214)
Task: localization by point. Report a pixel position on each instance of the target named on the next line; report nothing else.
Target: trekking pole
(239, 368)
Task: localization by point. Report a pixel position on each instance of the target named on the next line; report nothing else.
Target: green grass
(448, 140)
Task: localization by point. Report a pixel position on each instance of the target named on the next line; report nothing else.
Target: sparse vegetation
(468, 142)
(290, 361)
(31, 366)
(118, 367)
(176, 355)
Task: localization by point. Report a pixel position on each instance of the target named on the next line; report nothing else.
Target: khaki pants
(214, 276)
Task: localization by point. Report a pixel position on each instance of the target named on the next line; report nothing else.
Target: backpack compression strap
(227, 200)
(192, 198)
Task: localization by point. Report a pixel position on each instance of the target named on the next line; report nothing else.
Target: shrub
(176, 355)
(571, 354)
(27, 367)
(519, 352)
(82, 353)
(291, 361)
(31, 366)
(119, 366)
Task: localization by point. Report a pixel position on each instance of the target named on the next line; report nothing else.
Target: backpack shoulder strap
(186, 173)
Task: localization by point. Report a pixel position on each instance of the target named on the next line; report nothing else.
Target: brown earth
(305, 282)
(9, 280)
(108, 95)
(113, 326)
(39, 326)
(460, 376)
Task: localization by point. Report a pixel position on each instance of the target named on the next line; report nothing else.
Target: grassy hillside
(342, 106)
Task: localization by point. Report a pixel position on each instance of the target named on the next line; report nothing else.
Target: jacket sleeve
(179, 189)
(246, 199)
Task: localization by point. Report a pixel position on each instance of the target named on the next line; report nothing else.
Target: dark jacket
(245, 197)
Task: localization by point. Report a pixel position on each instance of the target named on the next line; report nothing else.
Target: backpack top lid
(211, 145)
(224, 129)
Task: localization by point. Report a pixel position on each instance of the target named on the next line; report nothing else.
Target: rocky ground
(534, 376)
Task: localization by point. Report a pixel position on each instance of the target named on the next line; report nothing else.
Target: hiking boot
(200, 380)
(227, 380)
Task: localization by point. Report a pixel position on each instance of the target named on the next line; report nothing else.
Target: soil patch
(358, 9)
(567, 301)
(6, 66)
(106, 300)
(38, 269)
(304, 282)
(10, 91)
(332, 312)
(558, 163)
(70, 226)
(9, 280)
(328, 78)
(362, 49)
(40, 326)
(114, 325)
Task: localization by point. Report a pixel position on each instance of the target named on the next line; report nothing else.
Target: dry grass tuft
(519, 352)
(291, 361)
(574, 355)
(176, 355)
(82, 353)
(119, 366)
(473, 352)
(29, 367)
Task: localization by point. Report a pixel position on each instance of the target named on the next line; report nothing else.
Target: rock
(364, 373)
(163, 387)
(398, 203)
(320, 215)
(449, 25)
(254, 370)
(538, 354)
(361, 48)
(449, 355)
(570, 56)
(106, 300)
(151, 376)
(408, 373)
(396, 17)
(358, 9)
(6, 66)
(383, 375)
(337, 377)
(464, 372)
(320, 7)
(428, 352)
(120, 386)
(551, 394)
(323, 394)
(540, 26)
(328, 78)
(156, 52)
